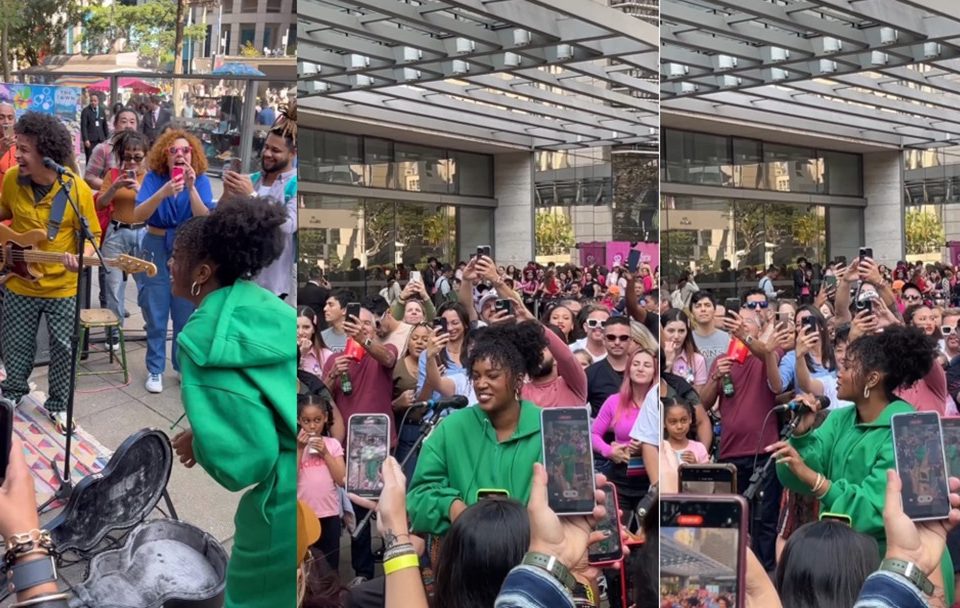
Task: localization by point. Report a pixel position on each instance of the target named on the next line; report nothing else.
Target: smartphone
(918, 453)
(131, 174)
(235, 165)
(951, 444)
(633, 260)
(866, 252)
(6, 435)
(568, 459)
(732, 305)
(841, 517)
(441, 324)
(708, 478)
(491, 492)
(483, 250)
(506, 305)
(831, 281)
(809, 324)
(842, 260)
(705, 529)
(866, 305)
(353, 310)
(176, 173)
(609, 550)
(8, 131)
(368, 445)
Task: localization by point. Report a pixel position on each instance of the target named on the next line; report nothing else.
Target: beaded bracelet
(400, 563)
(399, 550)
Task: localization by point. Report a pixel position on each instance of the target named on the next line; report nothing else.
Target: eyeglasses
(133, 159)
(947, 330)
(616, 338)
(913, 298)
(594, 323)
(172, 150)
(756, 305)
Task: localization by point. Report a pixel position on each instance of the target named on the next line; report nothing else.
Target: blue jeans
(159, 305)
(118, 241)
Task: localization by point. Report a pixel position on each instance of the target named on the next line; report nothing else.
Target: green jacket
(238, 369)
(855, 457)
(462, 456)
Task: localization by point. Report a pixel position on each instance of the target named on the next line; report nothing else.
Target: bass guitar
(20, 256)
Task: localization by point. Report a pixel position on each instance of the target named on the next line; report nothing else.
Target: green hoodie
(238, 369)
(855, 457)
(462, 456)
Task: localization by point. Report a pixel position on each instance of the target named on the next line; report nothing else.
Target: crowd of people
(511, 348)
(856, 344)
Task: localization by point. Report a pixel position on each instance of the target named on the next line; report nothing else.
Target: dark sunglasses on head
(756, 305)
(615, 338)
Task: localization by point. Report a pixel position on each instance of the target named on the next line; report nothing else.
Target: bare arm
(634, 310)
(144, 210)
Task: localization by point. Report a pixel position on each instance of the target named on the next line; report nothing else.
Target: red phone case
(616, 506)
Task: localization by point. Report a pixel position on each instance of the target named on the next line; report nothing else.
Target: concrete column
(513, 221)
(883, 217)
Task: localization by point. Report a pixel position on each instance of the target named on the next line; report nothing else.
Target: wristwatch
(748, 340)
(368, 343)
(552, 565)
(910, 571)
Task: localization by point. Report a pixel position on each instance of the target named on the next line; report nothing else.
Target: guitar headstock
(132, 265)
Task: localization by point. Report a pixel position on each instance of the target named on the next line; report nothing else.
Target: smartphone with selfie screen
(951, 444)
(633, 260)
(353, 310)
(609, 550)
(568, 459)
(708, 478)
(705, 540)
(919, 455)
(368, 445)
(6, 435)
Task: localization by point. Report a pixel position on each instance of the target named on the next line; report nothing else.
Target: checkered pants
(18, 338)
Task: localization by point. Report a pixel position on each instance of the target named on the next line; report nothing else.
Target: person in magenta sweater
(618, 414)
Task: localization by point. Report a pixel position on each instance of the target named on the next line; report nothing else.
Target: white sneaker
(154, 383)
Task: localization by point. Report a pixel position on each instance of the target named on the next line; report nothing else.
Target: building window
(248, 33)
(273, 6)
(249, 6)
(227, 6)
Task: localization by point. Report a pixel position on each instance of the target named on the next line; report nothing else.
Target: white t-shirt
(830, 392)
(581, 344)
(648, 427)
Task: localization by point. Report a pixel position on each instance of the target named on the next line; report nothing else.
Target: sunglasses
(615, 338)
(913, 298)
(136, 158)
(756, 305)
(947, 330)
(172, 150)
(594, 323)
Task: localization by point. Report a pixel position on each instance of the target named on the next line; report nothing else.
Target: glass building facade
(931, 197)
(729, 236)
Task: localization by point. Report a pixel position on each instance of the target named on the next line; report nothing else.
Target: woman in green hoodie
(491, 445)
(844, 462)
(239, 392)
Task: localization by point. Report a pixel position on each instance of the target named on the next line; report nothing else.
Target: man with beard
(558, 380)
(278, 181)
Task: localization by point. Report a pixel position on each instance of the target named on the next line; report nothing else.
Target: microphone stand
(755, 493)
(65, 490)
(426, 427)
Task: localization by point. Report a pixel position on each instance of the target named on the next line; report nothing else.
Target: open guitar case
(132, 561)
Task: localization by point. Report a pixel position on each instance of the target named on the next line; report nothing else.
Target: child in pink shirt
(677, 418)
(321, 470)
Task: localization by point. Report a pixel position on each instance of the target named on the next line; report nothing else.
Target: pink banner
(954, 252)
(616, 253)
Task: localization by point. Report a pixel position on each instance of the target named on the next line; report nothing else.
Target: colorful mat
(42, 443)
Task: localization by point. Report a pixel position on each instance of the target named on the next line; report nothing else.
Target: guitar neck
(52, 257)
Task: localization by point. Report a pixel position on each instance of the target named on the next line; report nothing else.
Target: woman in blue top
(165, 203)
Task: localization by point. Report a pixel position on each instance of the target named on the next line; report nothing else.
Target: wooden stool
(106, 319)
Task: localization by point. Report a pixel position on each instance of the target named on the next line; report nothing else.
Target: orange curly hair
(157, 157)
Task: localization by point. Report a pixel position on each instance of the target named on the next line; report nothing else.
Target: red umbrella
(136, 84)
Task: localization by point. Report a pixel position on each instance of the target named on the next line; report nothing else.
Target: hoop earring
(866, 392)
(195, 289)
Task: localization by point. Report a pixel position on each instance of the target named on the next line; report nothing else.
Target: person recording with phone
(8, 139)
(31, 195)
(175, 189)
(843, 463)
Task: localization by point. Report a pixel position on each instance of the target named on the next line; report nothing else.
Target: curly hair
(903, 355)
(241, 237)
(157, 157)
(129, 140)
(50, 137)
(516, 348)
(286, 124)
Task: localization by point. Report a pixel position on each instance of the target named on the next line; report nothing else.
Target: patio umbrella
(136, 84)
(237, 70)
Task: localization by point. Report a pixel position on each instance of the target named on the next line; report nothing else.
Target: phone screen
(703, 548)
(353, 310)
(506, 305)
(609, 549)
(708, 479)
(368, 444)
(633, 260)
(918, 449)
(6, 435)
(831, 281)
(951, 444)
(568, 458)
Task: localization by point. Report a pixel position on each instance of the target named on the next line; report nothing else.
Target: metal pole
(114, 91)
(246, 124)
(215, 43)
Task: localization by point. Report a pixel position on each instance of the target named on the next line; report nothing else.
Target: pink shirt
(695, 372)
(310, 362)
(315, 485)
(699, 451)
(568, 389)
(929, 394)
(604, 422)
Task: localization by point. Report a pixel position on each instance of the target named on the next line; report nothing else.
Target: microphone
(456, 402)
(802, 408)
(51, 164)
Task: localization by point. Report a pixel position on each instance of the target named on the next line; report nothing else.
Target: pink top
(929, 394)
(604, 422)
(694, 372)
(647, 284)
(568, 389)
(313, 363)
(699, 451)
(315, 485)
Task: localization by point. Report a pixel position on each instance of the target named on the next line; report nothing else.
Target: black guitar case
(163, 563)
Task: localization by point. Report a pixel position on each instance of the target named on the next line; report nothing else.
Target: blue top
(788, 371)
(172, 211)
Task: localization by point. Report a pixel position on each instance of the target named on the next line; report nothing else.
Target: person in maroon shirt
(746, 427)
(372, 381)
